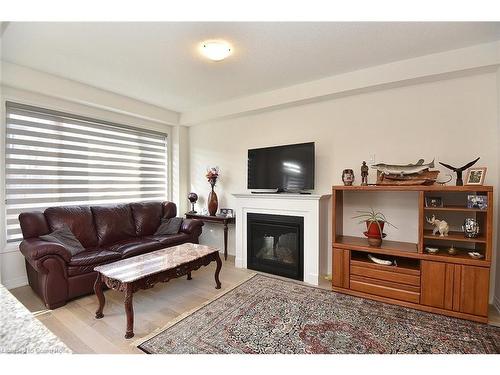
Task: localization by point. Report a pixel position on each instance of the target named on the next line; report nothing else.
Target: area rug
(267, 315)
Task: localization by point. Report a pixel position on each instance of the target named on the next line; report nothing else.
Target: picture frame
(433, 202)
(226, 212)
(479, 202)
(476, 176)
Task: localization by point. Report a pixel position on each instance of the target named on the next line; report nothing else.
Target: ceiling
(158, 63)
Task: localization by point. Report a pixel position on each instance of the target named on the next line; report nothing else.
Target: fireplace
(275, 244)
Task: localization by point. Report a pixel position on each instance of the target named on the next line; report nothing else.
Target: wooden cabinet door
(340, 268)
(474, 290)
(436, 284)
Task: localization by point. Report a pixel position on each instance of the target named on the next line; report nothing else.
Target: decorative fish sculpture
(419, 167)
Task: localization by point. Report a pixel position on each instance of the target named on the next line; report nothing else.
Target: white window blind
(55, 159)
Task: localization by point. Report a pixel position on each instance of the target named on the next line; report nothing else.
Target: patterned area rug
(269, 315)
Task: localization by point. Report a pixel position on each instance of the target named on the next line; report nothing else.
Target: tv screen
(286, 168)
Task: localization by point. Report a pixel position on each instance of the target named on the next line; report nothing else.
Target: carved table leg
(189, 276)
(217, 270)
(225, 241)
(129, 309)
(100, 296)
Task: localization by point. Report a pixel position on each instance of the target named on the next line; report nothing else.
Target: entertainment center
(455, 285)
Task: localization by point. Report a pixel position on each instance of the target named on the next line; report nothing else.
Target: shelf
(396, 248)
(439, 188)
(454, 208)
(453, 237)
(461, 258)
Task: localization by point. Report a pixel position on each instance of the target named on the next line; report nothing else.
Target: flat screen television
(282, 168)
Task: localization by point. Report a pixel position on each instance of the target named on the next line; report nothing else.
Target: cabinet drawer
(389, 290)
(386, 275)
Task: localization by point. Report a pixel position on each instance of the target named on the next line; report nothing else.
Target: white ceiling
(158, 63)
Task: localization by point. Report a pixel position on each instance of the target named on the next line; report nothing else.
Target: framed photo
(433, 202)
(477, 201)
(227, 212)
(475, 176)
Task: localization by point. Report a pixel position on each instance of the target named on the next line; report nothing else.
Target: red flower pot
(374, 230)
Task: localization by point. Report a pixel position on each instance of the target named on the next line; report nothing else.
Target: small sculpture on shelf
(460, 170)
(406, 174)
(471, 228)
(364, 174)
(193, 198)
(440, 226)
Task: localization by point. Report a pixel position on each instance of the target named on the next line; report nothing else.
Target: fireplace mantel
(312, 207)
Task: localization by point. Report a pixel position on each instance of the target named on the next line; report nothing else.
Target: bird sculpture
(459, 171)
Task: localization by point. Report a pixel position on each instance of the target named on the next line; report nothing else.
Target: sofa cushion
(169, 226)
(147, 216)
(65, 237)
(79, 220)
(114, 223)
(33, 224)
(169, 210)
(87, 260)
(135, 246)
(172, 240)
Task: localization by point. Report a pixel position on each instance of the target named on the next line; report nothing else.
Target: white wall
(27, 86)
(452, 120)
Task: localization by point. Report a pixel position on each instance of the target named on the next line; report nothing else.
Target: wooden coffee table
(144, 271)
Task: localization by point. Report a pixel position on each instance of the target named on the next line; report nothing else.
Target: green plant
(374, 217)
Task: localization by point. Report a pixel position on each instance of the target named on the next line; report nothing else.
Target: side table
(215, 219)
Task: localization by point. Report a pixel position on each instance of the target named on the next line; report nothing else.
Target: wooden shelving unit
(455, 285)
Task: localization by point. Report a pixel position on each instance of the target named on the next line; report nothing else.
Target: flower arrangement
(212, 175)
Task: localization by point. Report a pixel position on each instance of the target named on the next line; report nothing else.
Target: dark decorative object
(348, 177)
(459, 171)
(213, 202)
(272, 316)
(193, 198)
(433, 202)
(470, 228)
(364, 174)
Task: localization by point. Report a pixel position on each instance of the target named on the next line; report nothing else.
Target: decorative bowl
(431, 250)
(475, 255)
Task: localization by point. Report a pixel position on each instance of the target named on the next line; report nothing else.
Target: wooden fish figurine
(402, 170)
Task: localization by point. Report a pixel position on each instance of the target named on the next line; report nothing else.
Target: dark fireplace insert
(275, 244)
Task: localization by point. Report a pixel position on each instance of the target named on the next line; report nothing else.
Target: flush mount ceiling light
(215, 50)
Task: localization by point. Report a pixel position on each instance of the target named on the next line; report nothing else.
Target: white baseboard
(15, 282)
(496, 303)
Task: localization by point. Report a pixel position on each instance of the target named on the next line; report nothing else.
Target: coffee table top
(135, 268)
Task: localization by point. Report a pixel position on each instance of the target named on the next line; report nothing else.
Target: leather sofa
(108, 234)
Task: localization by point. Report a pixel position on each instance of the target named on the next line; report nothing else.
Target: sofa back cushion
(147, 217)
(113, 223)
(33, 224)
(79, 220)
(169, 210)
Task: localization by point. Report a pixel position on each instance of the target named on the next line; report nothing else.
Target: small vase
(213, 203)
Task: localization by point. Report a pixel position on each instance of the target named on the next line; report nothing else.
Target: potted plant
(375, 222)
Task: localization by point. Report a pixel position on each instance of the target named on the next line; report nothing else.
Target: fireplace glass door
(275, 244)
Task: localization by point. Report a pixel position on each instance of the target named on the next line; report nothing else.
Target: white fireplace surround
(313, 208)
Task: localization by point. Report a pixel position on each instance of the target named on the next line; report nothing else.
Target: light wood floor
(76, 326)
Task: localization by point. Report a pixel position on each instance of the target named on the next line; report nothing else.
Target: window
(55, 159)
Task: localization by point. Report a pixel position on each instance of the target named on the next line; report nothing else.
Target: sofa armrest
(192, 226)
(35, 248)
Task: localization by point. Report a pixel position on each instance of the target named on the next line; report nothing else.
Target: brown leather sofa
(108, 234)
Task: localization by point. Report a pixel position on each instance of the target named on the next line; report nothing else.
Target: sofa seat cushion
(86, 261)
(135, 246)
(171, 240)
